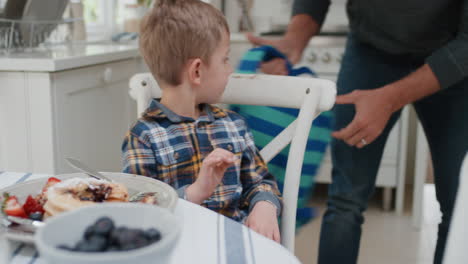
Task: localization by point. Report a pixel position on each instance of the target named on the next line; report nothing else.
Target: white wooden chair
(312, 96)
(455, 250)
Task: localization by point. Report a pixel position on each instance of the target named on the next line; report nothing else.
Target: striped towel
(267, 122)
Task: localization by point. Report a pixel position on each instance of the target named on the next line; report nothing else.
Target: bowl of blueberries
(110, 233)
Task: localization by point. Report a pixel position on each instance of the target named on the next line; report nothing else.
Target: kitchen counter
(67, 57)
(69, 101)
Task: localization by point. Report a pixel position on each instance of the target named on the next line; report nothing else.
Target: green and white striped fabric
(267, 122)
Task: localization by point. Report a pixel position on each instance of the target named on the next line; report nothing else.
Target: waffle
(78, 192)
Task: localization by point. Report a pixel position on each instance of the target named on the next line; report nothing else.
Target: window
(106, 17)
(99, 16)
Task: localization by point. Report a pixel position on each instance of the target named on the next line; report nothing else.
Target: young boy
(205, 152)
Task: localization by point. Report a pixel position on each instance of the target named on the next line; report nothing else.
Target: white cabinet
(82, 113)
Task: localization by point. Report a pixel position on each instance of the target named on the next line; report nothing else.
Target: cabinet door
(93, 111)
(14, 114)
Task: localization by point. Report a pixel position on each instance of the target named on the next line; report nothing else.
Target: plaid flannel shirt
(171, 148)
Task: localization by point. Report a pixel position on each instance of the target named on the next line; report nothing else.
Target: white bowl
(68, 228)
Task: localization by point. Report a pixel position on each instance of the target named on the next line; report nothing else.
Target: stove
(324, 54)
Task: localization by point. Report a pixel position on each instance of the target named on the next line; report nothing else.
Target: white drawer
(95, 76)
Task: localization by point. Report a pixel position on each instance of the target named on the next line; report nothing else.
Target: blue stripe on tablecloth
(251, 246)
(235, 251)
(218, 244)
(17, 250)
(34, 257)
(25, 177)
(21, 246)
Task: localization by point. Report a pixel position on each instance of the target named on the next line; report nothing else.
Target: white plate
(166, 195)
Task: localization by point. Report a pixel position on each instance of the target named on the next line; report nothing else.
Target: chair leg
(387, 196)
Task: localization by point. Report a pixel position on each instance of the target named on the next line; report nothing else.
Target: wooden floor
(387, 238)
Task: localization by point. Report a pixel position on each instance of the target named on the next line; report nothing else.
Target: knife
(81, 167)
(29, 224)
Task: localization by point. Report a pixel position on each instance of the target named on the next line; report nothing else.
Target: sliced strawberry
(6, 195)
(53, 179)
(32, 206)
(14, 208)
(50, 182)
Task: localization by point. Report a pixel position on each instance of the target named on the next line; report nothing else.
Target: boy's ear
(195, 71)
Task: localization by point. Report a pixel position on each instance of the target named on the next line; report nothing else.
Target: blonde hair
(176, 31)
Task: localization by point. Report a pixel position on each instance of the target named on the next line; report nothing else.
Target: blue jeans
(444, 117)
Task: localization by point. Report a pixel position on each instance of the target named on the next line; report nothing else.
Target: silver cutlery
(29, 224)
(21, 225)
(76, 164)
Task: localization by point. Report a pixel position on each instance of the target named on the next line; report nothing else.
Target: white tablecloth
(207, 237)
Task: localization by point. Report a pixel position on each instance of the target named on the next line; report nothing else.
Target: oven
(323, 55)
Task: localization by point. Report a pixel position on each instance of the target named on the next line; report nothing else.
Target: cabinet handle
(107, 76)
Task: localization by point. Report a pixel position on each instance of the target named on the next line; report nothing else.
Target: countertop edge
(59, 64)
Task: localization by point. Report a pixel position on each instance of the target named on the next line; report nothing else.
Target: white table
(207, 237)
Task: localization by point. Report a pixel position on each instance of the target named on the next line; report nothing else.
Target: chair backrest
(455, 250)
(311, 95)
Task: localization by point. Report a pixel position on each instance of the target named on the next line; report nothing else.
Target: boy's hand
(263, 220)
(211, 174)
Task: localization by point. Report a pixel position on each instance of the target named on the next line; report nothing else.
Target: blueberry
(127, 247)
(95, 243)
(134, 239)
(88, 232)
(127, 238)
(141, 241)
(104, 236)
(98, 243)
(36, 216)
(115, 234)
(113, 248)
(153, 234)
(81, 246)
(65, 247)
(103, 226)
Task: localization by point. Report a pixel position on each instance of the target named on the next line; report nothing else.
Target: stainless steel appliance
(14, 9)
(30, 22)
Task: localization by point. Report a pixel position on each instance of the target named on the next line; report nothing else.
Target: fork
(23, 224)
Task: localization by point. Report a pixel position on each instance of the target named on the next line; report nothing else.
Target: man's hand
(301, 28)
(211, 174)
(373, 110)
(262, 219)
(277, 66)
(374, 107)
(286, 45)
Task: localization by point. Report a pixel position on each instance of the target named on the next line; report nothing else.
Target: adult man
(398, 52)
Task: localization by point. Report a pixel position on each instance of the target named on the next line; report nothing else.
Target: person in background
(397, 53)
(206, 153)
